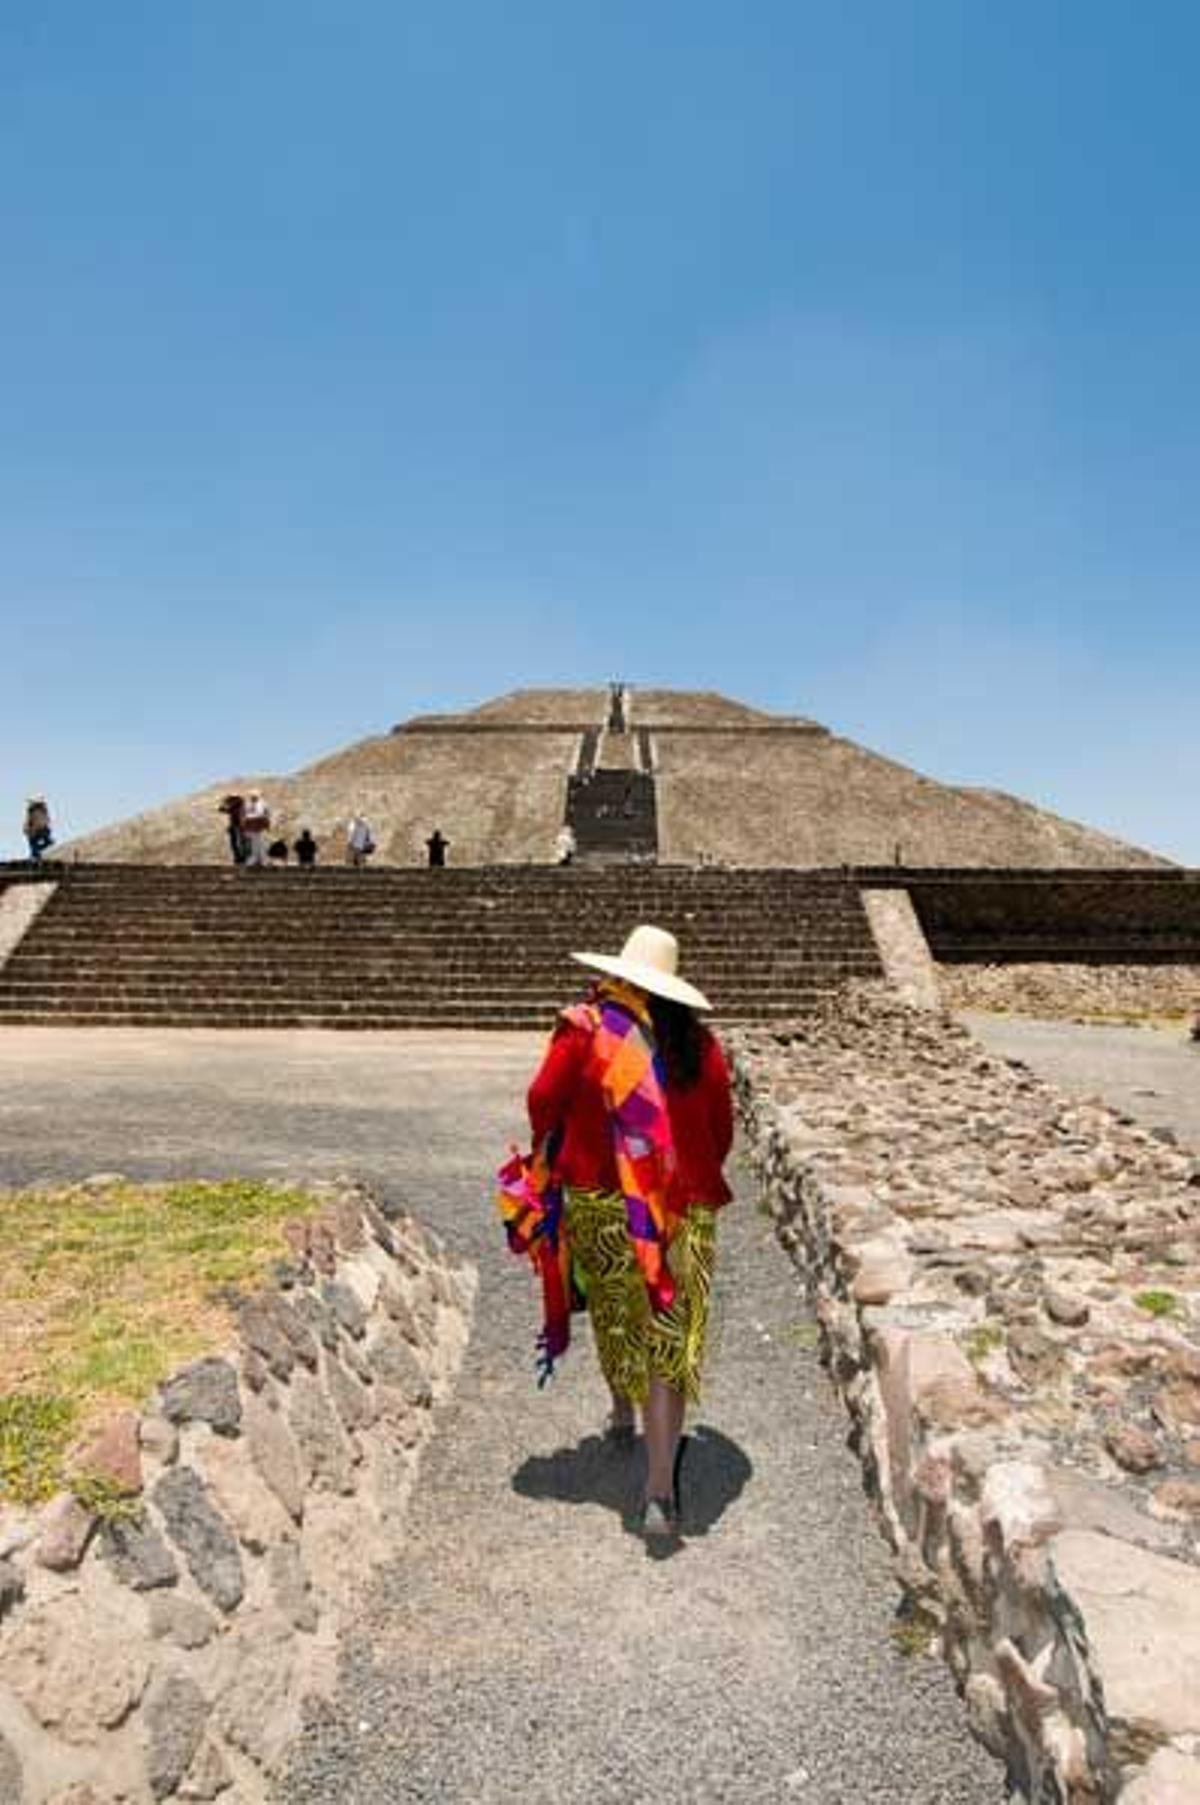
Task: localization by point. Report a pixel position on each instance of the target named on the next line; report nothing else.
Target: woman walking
(632, 1107)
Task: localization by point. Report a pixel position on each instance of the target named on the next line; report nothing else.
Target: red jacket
(567, 1094)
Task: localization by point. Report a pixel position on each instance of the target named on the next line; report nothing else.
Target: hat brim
(646, 977)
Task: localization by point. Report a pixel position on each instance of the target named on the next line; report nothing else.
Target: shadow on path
(712, 1472)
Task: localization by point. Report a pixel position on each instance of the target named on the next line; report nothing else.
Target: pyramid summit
(682, 776)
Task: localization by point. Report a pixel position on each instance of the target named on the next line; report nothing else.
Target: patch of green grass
(105, 1499)
(1159, 1303)
(912, 1633)
(803, 1333)
(35, 1429)
(984, 1340)
(103, 1293)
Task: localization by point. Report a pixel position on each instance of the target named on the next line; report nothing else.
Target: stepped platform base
(198, 946)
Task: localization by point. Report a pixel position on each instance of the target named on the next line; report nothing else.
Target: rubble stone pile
(1008, 1287)
(1076, 992)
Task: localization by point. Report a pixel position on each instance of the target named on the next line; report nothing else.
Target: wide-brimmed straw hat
(649, 959)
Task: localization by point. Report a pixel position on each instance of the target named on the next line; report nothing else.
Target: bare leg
(622, 1413)
(663, 1424)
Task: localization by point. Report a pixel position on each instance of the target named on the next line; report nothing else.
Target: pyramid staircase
(204, 946)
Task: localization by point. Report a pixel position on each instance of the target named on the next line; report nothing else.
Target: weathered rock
(11, 1775)
(274, 1452)
(1034, 1357)
(1177, 1405)
(112, 1455)
(1086, 1503)
(346, 1306)
(255, 1373)
(12, 1587)
(1132, 1601)
(264, 1336)
(1132, 1448)
(72, 1665)
(1066, 1307)
(205, 1392)
(243, 1497)
(320, 1437)
(202, 1535)
(276, 1328)
(290, 1587)
(351, 1399)
(175, 1712)
(394, 1363)
(159, 1439)
(137, 1554)
(18, 1528)
(257, 1710)
(397, 1307)
(180, 1621)
(318, 1317)
(1178, 1498)
(1168, 1778)
(64, 1532)
(209, 1775)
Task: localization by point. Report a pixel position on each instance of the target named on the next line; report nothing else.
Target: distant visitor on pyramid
(621, 774)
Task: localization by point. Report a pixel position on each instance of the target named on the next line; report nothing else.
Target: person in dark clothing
(277, 852)
(234, 807)
(437, 844)
(305, 849)
(38, 833)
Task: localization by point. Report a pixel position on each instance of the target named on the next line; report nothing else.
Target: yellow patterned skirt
(633, 1343)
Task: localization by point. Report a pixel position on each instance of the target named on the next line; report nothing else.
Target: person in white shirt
(360, 842)
(564, 845)
(256, 819)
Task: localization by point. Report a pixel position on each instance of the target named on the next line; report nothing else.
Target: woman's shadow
(711, 1472)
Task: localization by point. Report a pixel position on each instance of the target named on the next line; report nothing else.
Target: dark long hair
(680, 1039)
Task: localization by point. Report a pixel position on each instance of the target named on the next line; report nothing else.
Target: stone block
(1141, 1616)
(76, 1667)
(1168, 1778)
(204, 1392)
(112, 1455)
(321, 1439)
(202, 1536)
(64, 1531)
(175, 1714)
(137, 1554)
(275, 1453)
(180, 1621)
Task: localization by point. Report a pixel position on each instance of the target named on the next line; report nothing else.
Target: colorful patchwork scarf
(530, 1203)
(628, 1068)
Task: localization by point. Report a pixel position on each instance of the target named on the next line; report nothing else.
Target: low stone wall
(167, 1647)
(1074, 992)
(1008, 1288)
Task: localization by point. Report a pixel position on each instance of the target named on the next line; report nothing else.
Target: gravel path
(1152, 1074)
(523, 1645)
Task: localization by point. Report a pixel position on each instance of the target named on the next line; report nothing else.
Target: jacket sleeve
(716, 1073)
(552, 1089)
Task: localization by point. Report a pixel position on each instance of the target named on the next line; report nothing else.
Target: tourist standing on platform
(565, 845)
(256, 819)
(360, 842)
(39, 835)
(234, 809)
(305, 850)
(632, 1121)
(436, 846)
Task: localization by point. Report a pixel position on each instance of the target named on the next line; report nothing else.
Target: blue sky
(359, 359)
